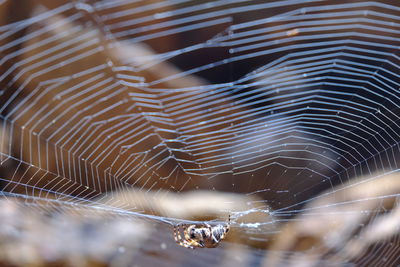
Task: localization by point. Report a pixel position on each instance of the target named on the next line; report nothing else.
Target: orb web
(280, 100)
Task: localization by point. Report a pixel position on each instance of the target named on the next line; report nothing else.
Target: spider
(201, 235)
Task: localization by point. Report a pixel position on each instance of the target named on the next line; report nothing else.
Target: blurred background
(120, 119)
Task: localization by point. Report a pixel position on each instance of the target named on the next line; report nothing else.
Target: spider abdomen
(201, 235)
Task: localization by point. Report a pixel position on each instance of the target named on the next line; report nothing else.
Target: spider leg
(209, 228)
(178, 237)
(177, 234)
(215, 241)
(201, 244)
(185, 232)
(228, 225)
(186, 244)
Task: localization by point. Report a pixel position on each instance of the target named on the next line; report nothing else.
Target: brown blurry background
(107, 140)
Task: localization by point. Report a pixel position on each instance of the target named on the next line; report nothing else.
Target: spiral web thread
(316, 105)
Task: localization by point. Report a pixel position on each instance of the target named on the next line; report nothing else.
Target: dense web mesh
(275, 100)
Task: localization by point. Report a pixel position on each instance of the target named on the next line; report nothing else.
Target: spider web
(276, 100)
